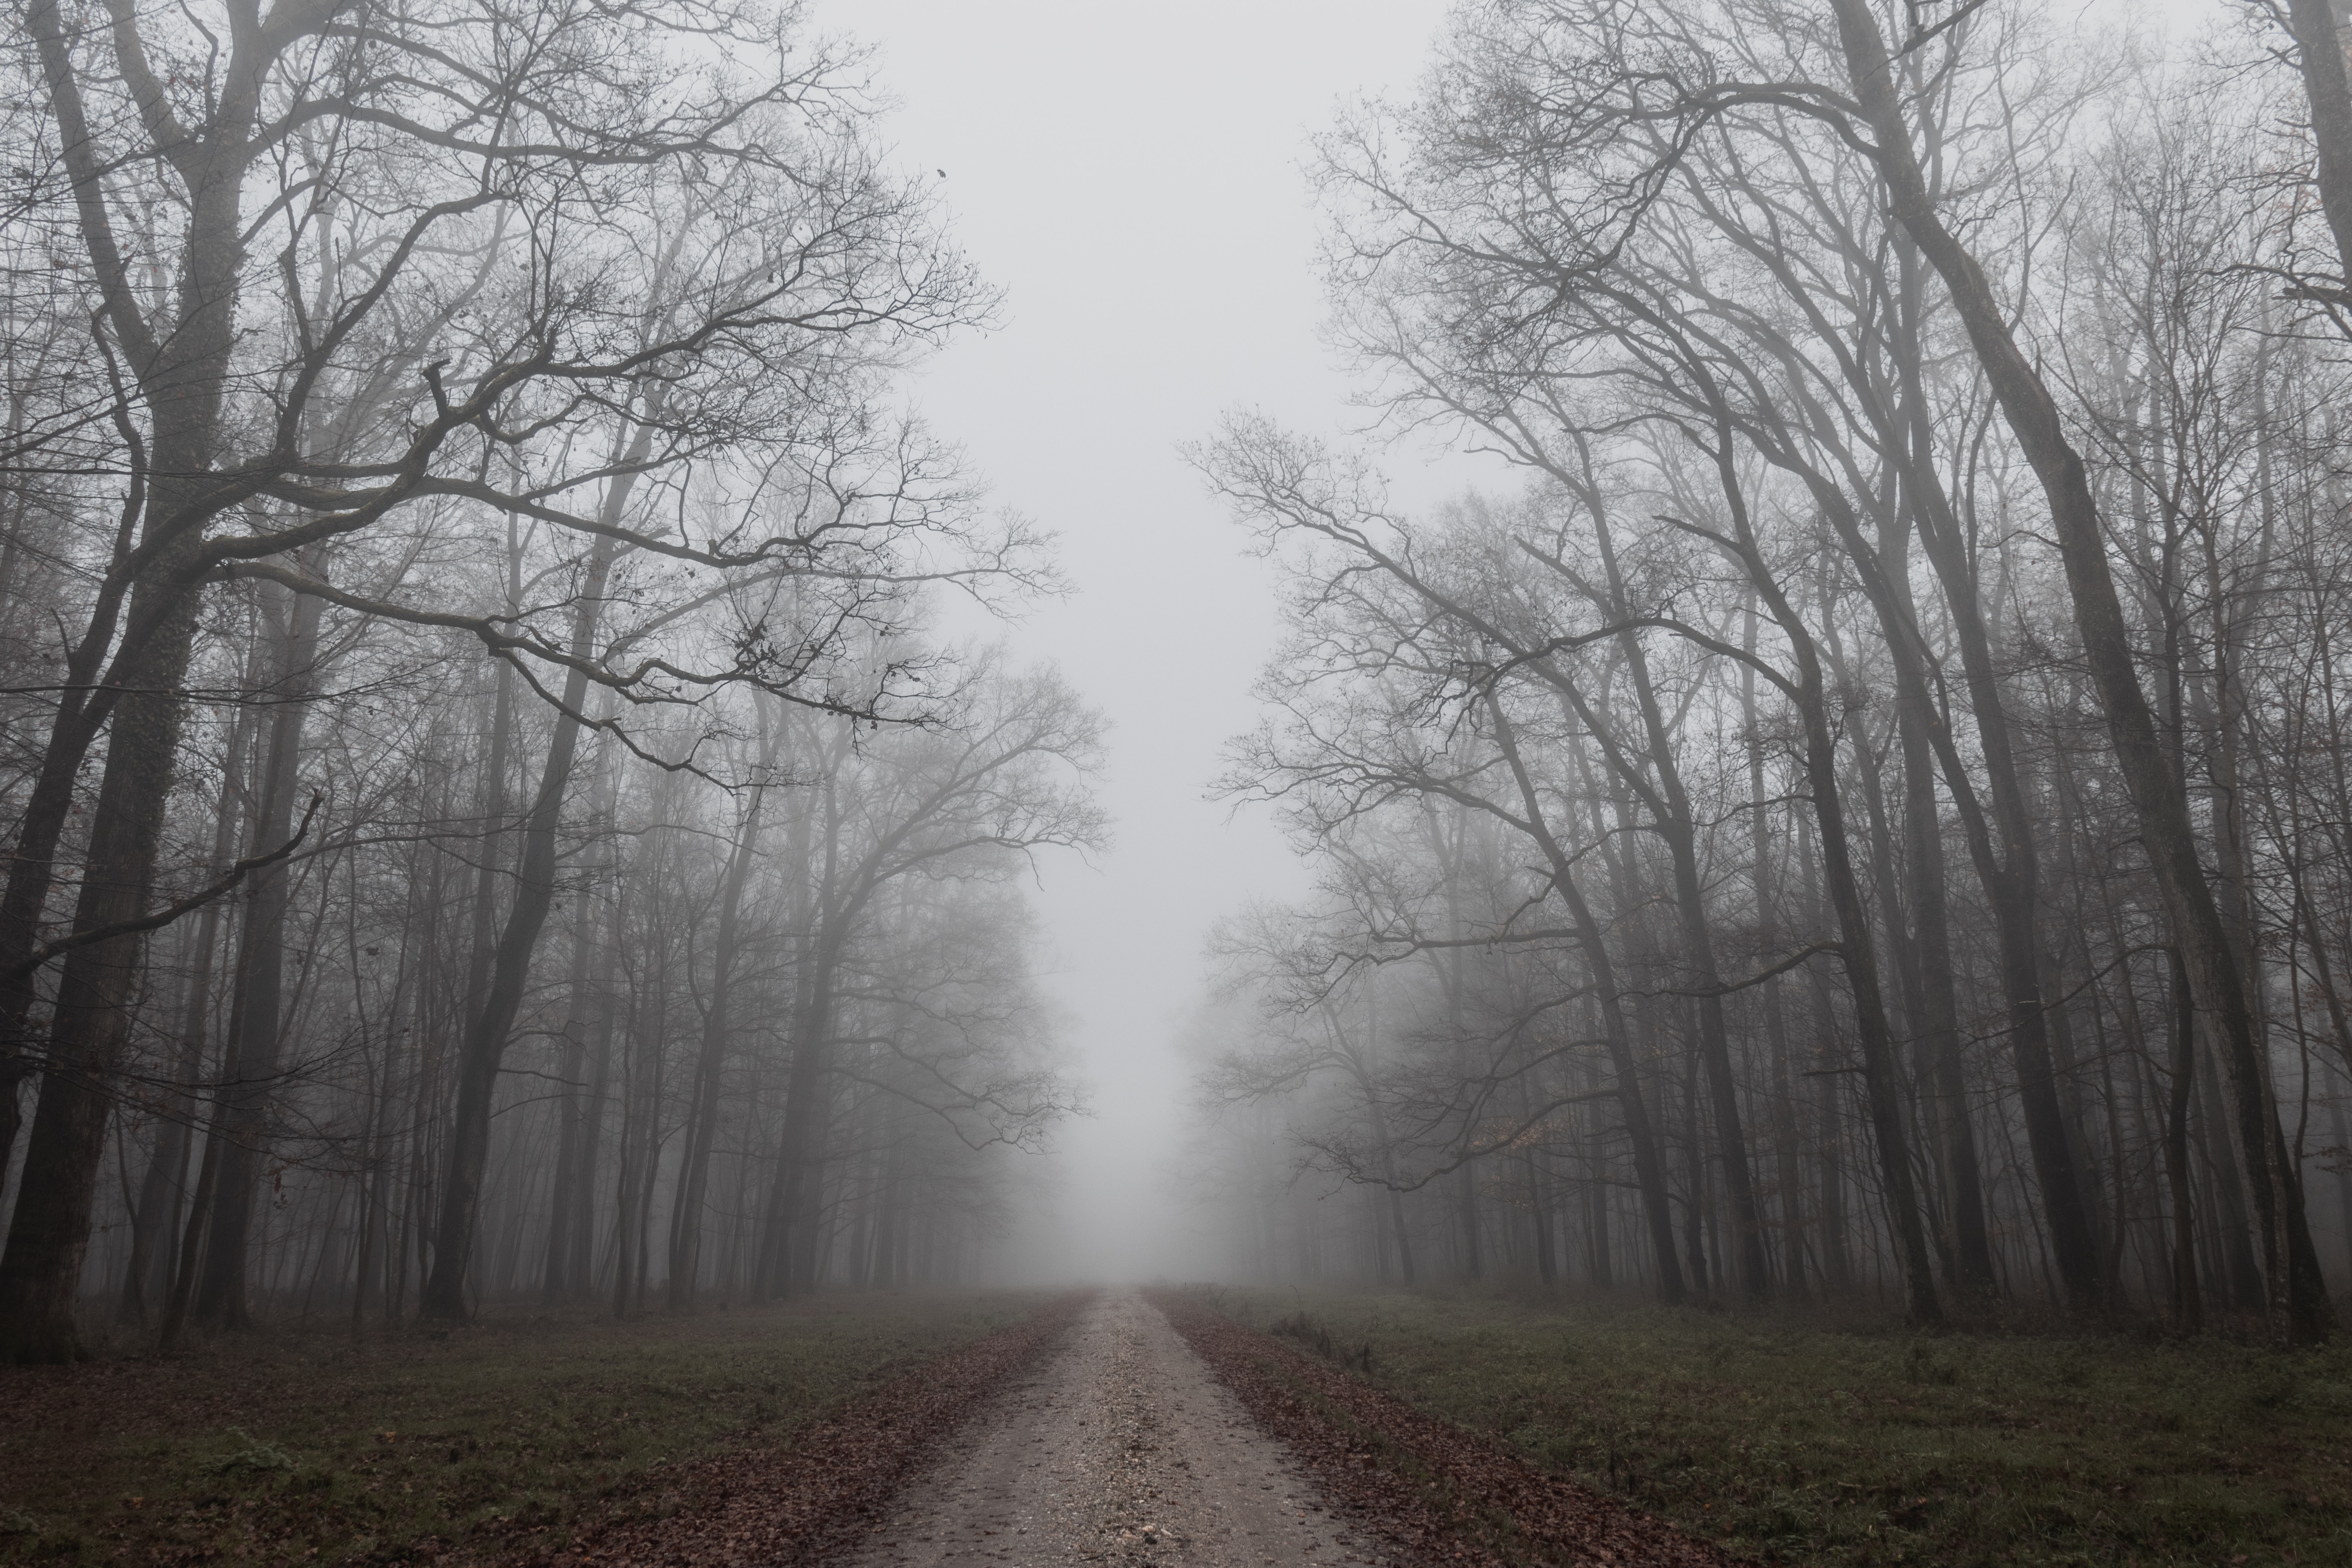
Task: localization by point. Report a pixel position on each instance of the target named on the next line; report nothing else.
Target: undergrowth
(1789, 1438)
(1313, 1333)
(293, 1448)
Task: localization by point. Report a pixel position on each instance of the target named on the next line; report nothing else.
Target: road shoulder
(1432, 1489)
(807, 1500)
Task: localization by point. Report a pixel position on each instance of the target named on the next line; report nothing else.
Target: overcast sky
(1132, 176)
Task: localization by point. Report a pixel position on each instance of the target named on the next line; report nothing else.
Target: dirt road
(1121, 1448)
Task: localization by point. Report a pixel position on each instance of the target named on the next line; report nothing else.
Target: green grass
(1789, 1438)
(309, 1448)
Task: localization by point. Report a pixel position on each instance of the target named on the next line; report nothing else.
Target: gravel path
(1120, 1448)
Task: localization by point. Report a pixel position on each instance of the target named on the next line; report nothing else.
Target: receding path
(1121, 1448)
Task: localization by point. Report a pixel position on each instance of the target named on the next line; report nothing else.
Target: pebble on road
(1119, 1448)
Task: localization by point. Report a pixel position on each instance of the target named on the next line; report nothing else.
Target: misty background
(997, 296)
(1133, 177)
(1180, 282)
(1622, 724)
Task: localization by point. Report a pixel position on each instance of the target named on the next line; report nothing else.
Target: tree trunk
(261, 957)
(702, 1129)
(1776, 1024)
(2320, 56)
(800, 1145)
(161, 1194)
(2298, 1300)
(1649, 1170)
(555, 1283)
(485, 1044)
(582, 1268)
(1676, 828)
(1882, 1090)
(40, 1272)
(182, 377)
(2188, 1298)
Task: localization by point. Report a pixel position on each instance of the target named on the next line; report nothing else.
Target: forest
(1864, 814)
(515, 787)
(1804, 1011)
(492, 807)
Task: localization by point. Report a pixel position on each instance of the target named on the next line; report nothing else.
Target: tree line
(1867, 812)
(489, 807)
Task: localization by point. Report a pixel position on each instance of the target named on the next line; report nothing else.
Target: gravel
(1121, 1447)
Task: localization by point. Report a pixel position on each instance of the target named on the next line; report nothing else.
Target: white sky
(1132, 176)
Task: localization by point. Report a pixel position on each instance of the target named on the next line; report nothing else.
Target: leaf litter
(1425, 1484)
(797, 1504)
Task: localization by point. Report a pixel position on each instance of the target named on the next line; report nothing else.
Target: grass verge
(1437, 1491)
(275, 1447)
(1788, 1439)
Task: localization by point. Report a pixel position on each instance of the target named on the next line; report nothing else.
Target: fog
(1182, 281)
(1685, 649)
